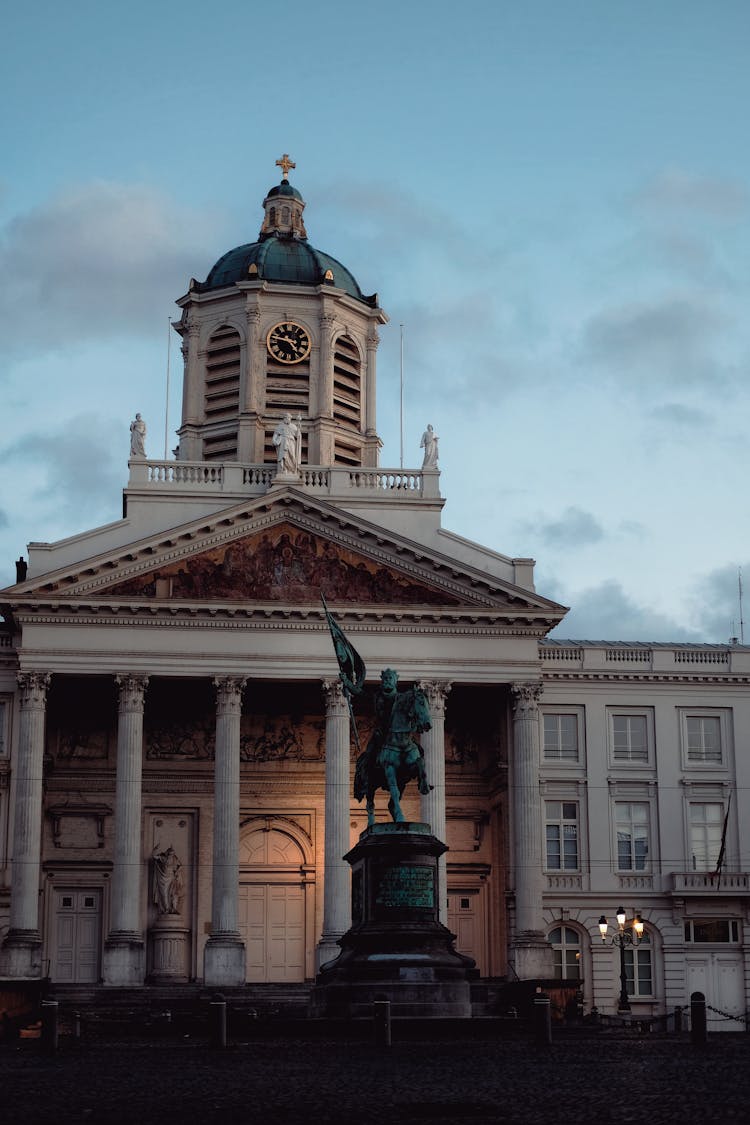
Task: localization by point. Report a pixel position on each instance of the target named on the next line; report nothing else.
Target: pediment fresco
(283, 564)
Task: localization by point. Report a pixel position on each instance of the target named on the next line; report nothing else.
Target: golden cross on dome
(285, 164)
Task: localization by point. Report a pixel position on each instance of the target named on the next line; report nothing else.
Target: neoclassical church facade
(176, 751)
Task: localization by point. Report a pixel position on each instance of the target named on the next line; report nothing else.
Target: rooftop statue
(287, 437)
(393, 756)
(429, 443)
(137, 437)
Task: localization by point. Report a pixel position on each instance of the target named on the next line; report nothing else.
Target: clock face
(288, 342)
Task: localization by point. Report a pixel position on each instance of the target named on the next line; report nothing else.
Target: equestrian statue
(393, 755)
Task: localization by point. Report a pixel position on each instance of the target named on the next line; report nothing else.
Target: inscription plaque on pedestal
(402, 885)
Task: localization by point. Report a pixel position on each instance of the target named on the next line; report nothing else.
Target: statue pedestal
(396, 949)
(170, 950)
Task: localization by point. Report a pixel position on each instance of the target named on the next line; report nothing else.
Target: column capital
(526, 698)
(132, 690)
(229, 691)
(333, 692)
(33, 687)
(437, 692)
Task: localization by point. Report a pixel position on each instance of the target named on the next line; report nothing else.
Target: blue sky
(552, 198)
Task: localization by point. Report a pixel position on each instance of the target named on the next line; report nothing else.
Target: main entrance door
(77, 929)
(272, 923)
(272, 907)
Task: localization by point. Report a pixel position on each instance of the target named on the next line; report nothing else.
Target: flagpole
(166, 406)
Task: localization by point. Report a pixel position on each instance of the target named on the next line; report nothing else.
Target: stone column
(530, 952)
(337, 895)
(123, 961)
(432, 804)
(224, 955)
(22, 948)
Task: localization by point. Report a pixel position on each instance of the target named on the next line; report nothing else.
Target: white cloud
(606, 611)
(69, 474)
(675, 188)
(104, 260)
(574, 528)
(672, 339)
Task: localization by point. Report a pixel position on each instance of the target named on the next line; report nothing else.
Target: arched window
(566, 952)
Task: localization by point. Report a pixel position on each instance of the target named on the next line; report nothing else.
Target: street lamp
(622, 938)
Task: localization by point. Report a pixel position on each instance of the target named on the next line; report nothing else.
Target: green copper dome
(282, 253)
(282, 259)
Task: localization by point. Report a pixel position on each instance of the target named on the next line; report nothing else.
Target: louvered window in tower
(347, 400)
(222, 395)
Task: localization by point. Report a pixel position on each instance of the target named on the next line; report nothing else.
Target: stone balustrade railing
(709, 883)
(233, 477)
(612, 658)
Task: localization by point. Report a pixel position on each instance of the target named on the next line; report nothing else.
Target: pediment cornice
(454, 583)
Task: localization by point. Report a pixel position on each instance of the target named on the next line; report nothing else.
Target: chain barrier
(728, 1015)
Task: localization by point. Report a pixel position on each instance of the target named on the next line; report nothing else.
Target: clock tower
(279, 327)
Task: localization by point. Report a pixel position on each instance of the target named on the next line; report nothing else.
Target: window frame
(633, 955)
(629, 763)
(633, 869)
(724, 716)
(704, 799)
(561, 822)
(557, 759)
(561, 947)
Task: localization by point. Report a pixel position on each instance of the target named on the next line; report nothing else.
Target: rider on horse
(392, 756)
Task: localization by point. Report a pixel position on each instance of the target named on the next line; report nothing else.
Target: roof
(290, 260)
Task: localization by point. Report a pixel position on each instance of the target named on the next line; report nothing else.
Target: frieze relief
(263, 738)
(282, 565)
(81, 744)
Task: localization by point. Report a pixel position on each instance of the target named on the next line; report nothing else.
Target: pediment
(283, 564)
(287, 549)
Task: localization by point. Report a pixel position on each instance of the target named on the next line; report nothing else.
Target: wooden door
(77, 931)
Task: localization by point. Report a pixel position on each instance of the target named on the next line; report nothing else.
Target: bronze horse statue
(393, 757)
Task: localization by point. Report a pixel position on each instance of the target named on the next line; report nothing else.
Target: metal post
(542, 1020)
(217, 1011)
(678, 1020)
(623, 1004)
(381, 1018)
(698, 1027)
(49, 1026)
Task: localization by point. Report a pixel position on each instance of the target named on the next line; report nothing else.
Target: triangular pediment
(283, 564)
(285, 549)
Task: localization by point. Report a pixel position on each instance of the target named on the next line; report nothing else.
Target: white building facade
(176, 753)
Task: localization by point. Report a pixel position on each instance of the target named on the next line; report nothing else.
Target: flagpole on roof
(401, 398)
(166, 405)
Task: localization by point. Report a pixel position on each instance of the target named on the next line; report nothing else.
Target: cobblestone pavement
(339, 1082)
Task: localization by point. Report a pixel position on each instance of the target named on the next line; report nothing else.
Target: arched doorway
(273, 902)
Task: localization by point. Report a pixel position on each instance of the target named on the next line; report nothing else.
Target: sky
(552, 199)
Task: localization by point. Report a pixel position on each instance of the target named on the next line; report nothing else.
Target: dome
(282, 252)
(282, 259)
(285, 189)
